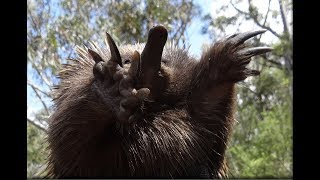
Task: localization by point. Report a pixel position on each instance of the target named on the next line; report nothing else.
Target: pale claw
(238, 39)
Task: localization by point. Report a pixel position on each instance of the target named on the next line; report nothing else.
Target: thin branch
(265, 19)
(288, 60)
(41, 16)
(261, 25)
(247, 87)
(275, 63)
(36, 125)
(283, 16)
(255, 19)
(37, 28)
(44, 123)
(240, 11)
(40, 74)
(182, 32)
(40, 98)
(38, 89)
(183, 26)
(178, 30)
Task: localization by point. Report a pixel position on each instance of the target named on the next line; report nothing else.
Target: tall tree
(262, 140)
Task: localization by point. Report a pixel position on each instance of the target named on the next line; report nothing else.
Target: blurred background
(261, 144)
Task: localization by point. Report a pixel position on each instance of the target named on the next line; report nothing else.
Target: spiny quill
(147, 110)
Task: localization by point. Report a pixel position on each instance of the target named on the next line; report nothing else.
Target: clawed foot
(121, 81)
(229, 58)
(132, 98)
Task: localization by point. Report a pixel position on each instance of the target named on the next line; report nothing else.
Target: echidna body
(147, 110)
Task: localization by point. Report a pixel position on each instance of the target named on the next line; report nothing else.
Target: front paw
(118, 83)
(228, 59)
(131, 99)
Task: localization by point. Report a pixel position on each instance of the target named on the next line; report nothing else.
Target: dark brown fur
(181, 129)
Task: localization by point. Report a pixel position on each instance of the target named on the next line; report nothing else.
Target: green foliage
(282, 46)
(222, 22)
(36, 150)
(262, 142)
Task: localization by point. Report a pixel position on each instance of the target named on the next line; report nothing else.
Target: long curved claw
(115, 55)
(115, 70)
(242, 37)
(95, 56)
(248, 53)
(232, 36)
(135, 65)
(98, 69)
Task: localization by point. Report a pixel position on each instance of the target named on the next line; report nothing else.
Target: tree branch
(40, 74)
(36, 125)
(38, 89)
(181, 30)
(265, 19)
(275, 63)
(283, 17)
(255, 19)
(33, 21)
(240, 11)
(183, 26)
(178, 30)
(261, 25)
(40, 98)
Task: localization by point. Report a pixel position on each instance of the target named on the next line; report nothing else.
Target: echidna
(147, 110)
